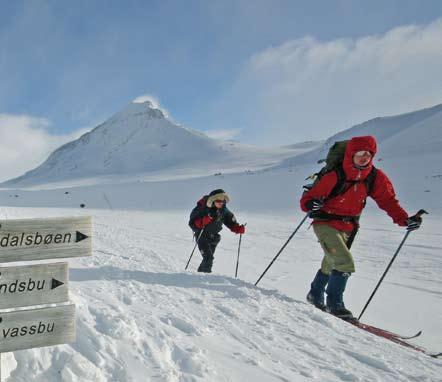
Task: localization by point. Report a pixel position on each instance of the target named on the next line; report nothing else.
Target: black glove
(314, 204)
(414, 222)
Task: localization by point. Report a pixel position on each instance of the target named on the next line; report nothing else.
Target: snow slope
(386, 129)
(140, 317)
(140, 142)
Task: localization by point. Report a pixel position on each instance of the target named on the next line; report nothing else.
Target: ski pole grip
(421, 212)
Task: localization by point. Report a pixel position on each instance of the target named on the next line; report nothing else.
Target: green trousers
(336, 254)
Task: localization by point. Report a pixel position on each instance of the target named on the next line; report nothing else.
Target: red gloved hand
(241, 229)
(202, 222)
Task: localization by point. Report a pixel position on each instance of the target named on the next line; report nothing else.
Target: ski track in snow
(140, 317)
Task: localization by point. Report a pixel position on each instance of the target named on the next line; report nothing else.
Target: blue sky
(226, 67)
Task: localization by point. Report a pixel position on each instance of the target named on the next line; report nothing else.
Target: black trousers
(207, 246)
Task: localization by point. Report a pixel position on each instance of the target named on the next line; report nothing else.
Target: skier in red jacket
(335, 219)
(207, 219)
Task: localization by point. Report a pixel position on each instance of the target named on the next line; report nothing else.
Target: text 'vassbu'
(30, 330)
(24, 329)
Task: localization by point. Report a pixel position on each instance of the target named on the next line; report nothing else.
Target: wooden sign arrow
(33, 285)
(56, 283)
(38, 239)
(26, 329)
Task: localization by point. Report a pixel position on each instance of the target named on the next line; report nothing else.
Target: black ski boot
(335, 291)
(206, 266)
(316, 294)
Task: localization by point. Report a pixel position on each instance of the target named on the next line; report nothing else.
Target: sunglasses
(363, 154)
(219, 201)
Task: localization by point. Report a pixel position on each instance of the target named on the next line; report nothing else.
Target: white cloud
(154, 101)
(223, 134)
(25, 143)
(147, 97)
(308, 89)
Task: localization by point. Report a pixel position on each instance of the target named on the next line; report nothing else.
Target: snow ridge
(384, 129)
(141, 139)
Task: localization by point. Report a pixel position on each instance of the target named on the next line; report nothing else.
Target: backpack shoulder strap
(370, 179)
(340, 183)
(339, 187)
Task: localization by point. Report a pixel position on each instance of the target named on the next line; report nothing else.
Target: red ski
(396, 338)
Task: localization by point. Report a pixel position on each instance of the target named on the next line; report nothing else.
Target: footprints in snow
(118, 326)
(181, 325)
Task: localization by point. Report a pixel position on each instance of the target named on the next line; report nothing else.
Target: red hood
(366, 143)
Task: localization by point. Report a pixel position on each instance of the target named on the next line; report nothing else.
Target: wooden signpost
(33, 285)
(26, 329)
(39, 284)
(39, 239)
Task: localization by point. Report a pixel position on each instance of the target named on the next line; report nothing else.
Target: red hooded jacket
(352, 202)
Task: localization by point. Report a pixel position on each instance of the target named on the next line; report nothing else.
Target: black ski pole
(420, 212)
(290, 238)
(239, 248)
(196, 243)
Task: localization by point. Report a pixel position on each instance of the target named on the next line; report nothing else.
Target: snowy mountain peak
(137, 139)
(141, 140)
(144, 109)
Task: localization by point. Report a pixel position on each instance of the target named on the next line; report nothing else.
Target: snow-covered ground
(141, 317)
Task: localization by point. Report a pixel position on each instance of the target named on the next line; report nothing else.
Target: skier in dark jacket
(207, 219)
(336, 218)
